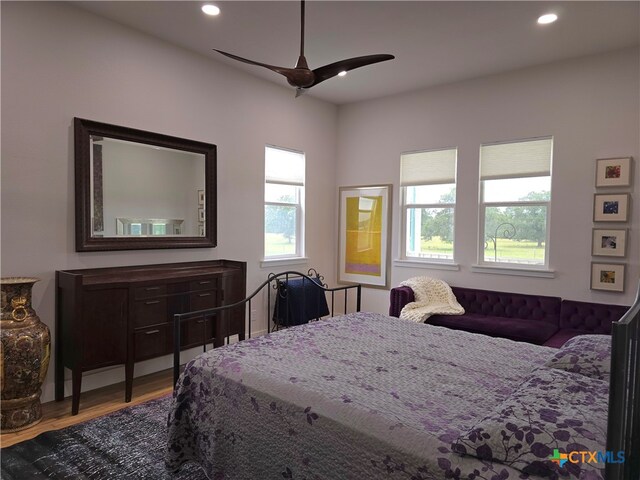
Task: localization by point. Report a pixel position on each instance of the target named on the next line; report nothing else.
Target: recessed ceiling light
(210, 9)
(547, 18)
(342, 73)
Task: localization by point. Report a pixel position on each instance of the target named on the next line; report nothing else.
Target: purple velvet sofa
(537, 319)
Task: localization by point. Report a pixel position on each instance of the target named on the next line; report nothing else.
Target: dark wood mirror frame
(85, 242)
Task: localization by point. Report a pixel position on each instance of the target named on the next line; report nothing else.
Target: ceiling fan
(301, 76)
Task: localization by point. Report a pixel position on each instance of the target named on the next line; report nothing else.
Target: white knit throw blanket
(433, 296)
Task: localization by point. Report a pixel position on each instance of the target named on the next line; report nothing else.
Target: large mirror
(139, 190)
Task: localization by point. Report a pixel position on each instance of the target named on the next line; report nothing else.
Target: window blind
(284, 166)
(529, 158)
(432, 167)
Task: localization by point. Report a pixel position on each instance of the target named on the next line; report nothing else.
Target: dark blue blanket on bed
(298, 301)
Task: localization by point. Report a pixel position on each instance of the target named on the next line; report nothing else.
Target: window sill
(517, 271)
(279, 262)
(426, 264)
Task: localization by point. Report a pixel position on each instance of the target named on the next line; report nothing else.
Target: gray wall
(60, 62)
(590, 106)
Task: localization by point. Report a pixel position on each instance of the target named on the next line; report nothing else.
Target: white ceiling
(434, 42)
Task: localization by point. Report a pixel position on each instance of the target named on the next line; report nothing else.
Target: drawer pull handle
(204, 282)
(149, 289)
(153, 302)
(204, 294)
(200, 321)
(151, 332)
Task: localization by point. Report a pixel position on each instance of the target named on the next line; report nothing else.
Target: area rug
(127, 444)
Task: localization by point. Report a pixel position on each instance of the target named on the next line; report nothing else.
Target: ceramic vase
(25, 349)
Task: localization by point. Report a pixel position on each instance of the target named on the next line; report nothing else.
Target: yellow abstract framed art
(364, 234)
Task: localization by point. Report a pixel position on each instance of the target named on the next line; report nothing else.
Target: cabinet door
(232, 321)
(104, 327)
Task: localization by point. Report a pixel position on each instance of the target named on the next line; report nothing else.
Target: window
(283, 203)
(515, 194)
(428, 184)
(159, 229)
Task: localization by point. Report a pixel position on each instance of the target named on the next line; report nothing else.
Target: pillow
(588, 355)
(552, 410)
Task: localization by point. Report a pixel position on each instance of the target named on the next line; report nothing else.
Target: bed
(369, 396)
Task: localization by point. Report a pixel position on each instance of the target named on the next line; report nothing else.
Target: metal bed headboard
(273, 281)
(623, 425)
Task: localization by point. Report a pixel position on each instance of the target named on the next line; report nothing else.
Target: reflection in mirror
(144, 190)
(138, 190)
(139, 227)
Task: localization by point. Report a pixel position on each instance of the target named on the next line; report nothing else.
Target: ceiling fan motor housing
(301, 76)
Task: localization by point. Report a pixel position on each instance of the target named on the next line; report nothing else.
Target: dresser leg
(128, 381)
(76, 383)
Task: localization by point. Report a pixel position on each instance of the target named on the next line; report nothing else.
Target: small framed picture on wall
(607, 276)
(613, 172)
(609, 242)
(200, 197)
(611, 207)
(201, 214)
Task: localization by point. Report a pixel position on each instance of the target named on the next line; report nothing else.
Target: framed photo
(613, 172)
(201, 214)
(611, 207)
(609, 242)
(364, 235)
(607, 276)
(201, 229)
(200, 197)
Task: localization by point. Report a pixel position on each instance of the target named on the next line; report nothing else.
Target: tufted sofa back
(590, 317)
(509, 305)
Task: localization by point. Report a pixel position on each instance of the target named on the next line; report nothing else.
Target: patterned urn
(25, 348)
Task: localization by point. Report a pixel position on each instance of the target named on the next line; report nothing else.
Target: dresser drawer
(195, 332)
(204, 284)
(149, 291)
(203, 300)
(150, 342)
(149, 312)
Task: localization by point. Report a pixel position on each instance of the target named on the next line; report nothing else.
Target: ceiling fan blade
(331, 70)
(300, 76)
(281, 70)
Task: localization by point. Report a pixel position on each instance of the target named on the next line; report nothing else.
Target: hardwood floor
(95, 403)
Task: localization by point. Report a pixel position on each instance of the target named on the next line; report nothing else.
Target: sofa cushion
(590, 317)
(509, 305)
(562, 336)
(522, 330)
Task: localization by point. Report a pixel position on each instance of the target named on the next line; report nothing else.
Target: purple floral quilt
(362, 396)
(551, 410)
(588, 355)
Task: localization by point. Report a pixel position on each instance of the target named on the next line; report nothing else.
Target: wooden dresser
(121, 315)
